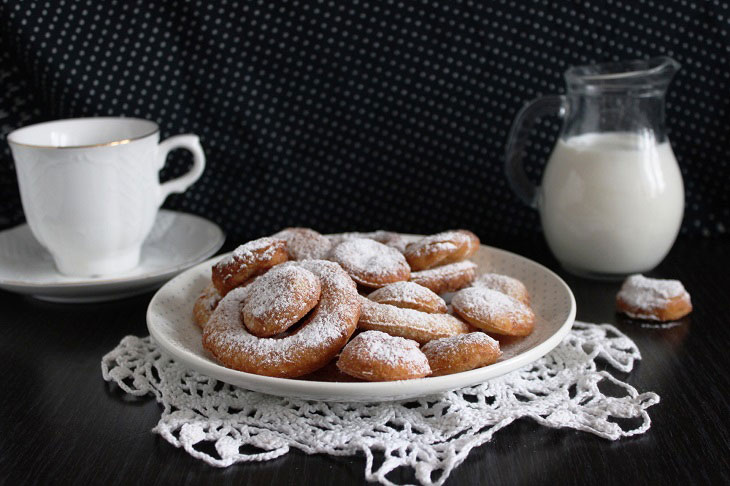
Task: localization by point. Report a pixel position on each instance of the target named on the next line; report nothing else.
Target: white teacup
(90, 188)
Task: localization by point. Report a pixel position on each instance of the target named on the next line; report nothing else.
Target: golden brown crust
(247, 261)
(446, 278)
(441, 249)
(461, 353)
(408, 323)
(326, 330)
(279, 299)
(409, 295)
(493, 311)
(205, 304)
(377, 356)
(675, 308)
(371, 263)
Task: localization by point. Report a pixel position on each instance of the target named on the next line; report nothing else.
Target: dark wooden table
(61, 423)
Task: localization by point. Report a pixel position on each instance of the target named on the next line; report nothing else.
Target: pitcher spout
(665, 68)
(641, 76)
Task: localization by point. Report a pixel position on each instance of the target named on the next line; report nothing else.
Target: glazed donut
(447, 278)
(653, 299)
(441, 249)
(205, 304)
(377, 356)
(304, 243)
(316, 342)
(247, 261)
(409, 295)
(461, 353)
(370, 263)
(396, 240)
(502, 283)
(408, 323)
(493, 311)
(279, 299)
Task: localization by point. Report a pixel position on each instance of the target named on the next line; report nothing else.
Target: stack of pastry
(289, 304)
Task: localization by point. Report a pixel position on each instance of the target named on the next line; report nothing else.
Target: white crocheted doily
(432, 434)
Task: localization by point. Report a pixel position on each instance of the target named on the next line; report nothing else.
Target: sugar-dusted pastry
(396, 240)
(247, 261)
(377, 356)
(493, 311)
(409, 295)
(408, 323)
(370, 263)
(323, 334)
(461, 353)
(205, 304)
(279, 299)
(446, 278)
(441, 249)
(304, 243)
(653, 299)
(505, 284)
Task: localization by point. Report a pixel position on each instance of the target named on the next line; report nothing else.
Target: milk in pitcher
(611, 203)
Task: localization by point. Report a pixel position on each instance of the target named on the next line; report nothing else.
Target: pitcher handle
(515, 152)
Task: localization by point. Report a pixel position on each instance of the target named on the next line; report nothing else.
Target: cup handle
(180, 184)
(515, 152)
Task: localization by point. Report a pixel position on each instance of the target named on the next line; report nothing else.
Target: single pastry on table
(653, 299)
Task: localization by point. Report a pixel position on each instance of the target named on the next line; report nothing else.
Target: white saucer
(169, 320)
(177, 241)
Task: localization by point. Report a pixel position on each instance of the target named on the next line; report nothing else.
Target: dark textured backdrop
(358, 115)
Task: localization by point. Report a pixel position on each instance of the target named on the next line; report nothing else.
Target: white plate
(170, 324)
(177, 242)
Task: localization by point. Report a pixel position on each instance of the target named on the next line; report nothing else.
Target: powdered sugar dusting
(330, 322)
(503, 283)
(444, 270)
(369, 258)
(641, 292)
(445, 241)
(488, 303)
(390, 238)
(209, 298)
(284, 290)
(406, 292)
(397, 321)
(250, 252)
(305, 243)
(393, 351)
(450, 345)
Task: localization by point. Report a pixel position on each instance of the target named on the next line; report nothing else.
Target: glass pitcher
(612, 197)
